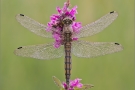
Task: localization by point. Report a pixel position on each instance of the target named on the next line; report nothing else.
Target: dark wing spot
(21, 15)
(111, 12)
(19, 47)
(117, 44)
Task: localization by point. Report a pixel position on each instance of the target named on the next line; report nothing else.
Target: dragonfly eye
(67, 21)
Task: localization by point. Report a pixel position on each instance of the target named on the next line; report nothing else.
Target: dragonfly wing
(33, 26)
(97, 26)
(42, 51)
(93, 49)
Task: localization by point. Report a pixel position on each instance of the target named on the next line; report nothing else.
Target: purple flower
(65, 7)
(73, 11)
(76, 26)
(59, 10)
(56, 25)
(73, 84)
(76, 83)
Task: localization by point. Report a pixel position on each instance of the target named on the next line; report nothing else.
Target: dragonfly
(79, 48)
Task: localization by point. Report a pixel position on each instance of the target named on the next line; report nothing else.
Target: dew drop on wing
(117, 44)
(111, 12)
(21, 15)
(19, 47)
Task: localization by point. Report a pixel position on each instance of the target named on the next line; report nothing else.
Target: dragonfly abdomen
(67, 45)
(67, 62)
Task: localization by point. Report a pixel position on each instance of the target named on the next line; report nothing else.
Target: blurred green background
(109, 72)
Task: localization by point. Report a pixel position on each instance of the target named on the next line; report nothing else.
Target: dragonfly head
(67, 21)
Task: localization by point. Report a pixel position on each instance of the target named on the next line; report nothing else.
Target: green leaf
(62, 89)
(58, 83)
(87, 86)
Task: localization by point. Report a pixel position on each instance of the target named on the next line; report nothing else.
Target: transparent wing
(97, 26)
(33, 26)
(93, 49)
(42, 51)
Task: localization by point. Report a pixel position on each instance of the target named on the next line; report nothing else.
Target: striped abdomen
(67, 62)
(67, 45)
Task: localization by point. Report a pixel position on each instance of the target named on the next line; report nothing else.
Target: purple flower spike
(73, 84)
(56, 24)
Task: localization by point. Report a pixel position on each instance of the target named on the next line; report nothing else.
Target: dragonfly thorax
(67, 36)
(68, 33)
